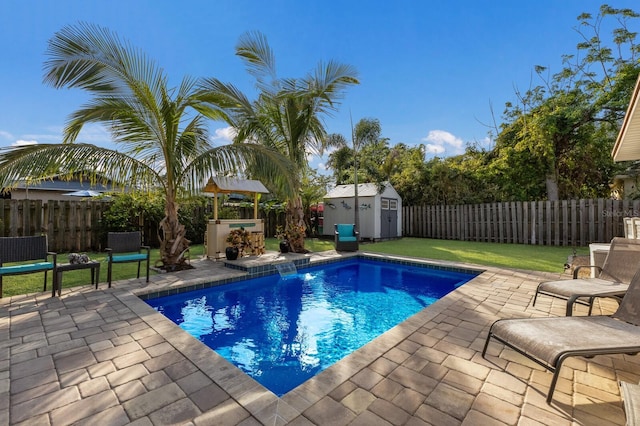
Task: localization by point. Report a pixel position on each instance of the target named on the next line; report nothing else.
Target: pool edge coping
(259, 401)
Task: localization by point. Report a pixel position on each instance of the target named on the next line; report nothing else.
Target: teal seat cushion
(346, 239)
(23, 269)
(345, 230)
(129, 257)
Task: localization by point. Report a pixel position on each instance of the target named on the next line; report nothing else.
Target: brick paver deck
(104, 357)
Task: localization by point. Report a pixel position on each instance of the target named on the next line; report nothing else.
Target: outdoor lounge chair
(550, 341)
(346, 237)
(124, 247)
(613, 279)
(631, 397)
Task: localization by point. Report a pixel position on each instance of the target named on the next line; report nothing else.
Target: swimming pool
(284, 330)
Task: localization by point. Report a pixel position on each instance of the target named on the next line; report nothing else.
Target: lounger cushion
(21, 269)
(586, 287)
(548, 338)
(129, 257)
(347, 239)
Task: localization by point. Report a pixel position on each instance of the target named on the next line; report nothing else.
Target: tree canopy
(554, 141)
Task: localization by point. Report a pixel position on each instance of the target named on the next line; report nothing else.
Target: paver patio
(105, 357)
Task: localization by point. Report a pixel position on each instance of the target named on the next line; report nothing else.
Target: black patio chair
(126, 247)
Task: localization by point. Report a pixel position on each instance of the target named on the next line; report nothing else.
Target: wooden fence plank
(565, 222)
(556, 222)
(534, 222)
(525, 223)
(592, 221)
(583, 222)
(541, 227)
(499, 235)
(607, 216)
(600, 218)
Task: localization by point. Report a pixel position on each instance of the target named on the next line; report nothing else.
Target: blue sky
(430, 71)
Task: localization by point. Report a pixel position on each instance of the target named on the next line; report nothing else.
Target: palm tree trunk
(295, 225)
(173, 243)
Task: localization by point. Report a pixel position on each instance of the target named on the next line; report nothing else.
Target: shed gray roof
(346, 191)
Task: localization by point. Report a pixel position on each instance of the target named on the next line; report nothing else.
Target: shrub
(133, 211)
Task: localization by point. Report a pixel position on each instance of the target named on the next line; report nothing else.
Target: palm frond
(95, 59)
(41, 161)
(216, 100)
(125, 120)
(257, 55)
(253, 160)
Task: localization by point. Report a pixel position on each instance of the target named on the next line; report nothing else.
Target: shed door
(388, 218)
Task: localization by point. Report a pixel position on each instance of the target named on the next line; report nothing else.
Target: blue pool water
(283, 331)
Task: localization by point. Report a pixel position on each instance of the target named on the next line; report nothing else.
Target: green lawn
(537, 258)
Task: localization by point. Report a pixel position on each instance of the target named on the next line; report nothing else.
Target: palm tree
(286, 116)
(366, 132)
(160, 133)
(340, 160)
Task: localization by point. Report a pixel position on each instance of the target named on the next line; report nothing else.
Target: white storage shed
(380, 210)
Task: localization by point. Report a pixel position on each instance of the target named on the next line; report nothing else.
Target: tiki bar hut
(218, 229)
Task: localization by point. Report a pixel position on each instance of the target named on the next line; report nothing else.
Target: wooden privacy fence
(558, 223)
(77, 225)
(69, 225)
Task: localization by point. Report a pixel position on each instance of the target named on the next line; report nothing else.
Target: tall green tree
(566, 125)
(408, 178)
(287, 115)
(340, 162)
(159, 132)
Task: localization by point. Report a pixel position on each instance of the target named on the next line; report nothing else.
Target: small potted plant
(238, 240)
(282, 236)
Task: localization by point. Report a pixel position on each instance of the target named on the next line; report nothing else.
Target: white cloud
(224, 135)
(21, 142)
(434, 149)
(442, 142)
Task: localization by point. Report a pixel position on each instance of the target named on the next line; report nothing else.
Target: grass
(520, 256)
(537, 258)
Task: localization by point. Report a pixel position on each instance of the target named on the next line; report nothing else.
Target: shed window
(384, 204)
(393, 204)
